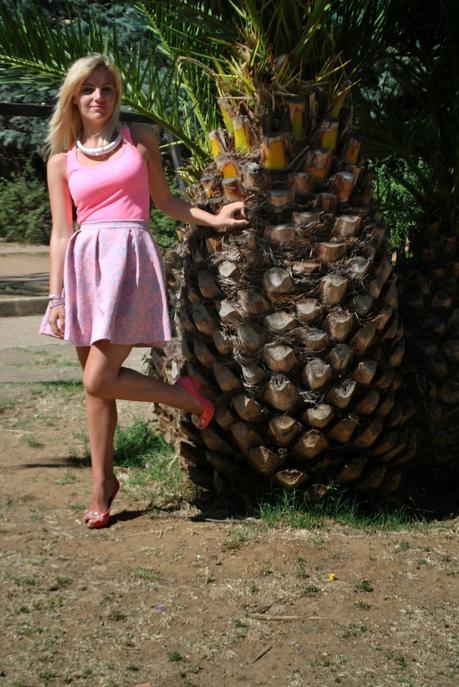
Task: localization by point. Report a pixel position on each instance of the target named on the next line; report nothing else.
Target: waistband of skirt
(115, 224)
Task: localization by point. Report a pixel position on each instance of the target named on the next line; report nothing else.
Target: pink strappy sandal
(96, 519)
(192, 387)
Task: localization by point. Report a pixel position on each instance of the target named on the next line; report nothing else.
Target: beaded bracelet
(52, 296)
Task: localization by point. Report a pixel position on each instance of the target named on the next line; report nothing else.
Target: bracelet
(53, 296)
(54, 303)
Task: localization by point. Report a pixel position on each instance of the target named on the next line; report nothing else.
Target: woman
(107, 291)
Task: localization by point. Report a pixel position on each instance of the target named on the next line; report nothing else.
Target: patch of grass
(300, 568)
(363, 586)
(33, 443)
(77, 506)
(402, 545)
(397, 657)
(174, 656)
(297, 509)
(146, 574)
(63, 581)
(138, 446)
(132, 668)
(22, 581)
(150, 459)
(87, 672)
(236, 539)
(354, 630)
(310, 590)
(421, 561)
(117, 614)
(67, 478)
(28, 630)
(323, 662)
(22, 609)
(363, 605)
(6, 405)
(68, 386)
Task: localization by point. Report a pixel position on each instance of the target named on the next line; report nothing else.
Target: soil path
(166, 599)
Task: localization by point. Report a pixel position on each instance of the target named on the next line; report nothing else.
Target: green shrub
(398, 204)
(163, 229)
(137, 445)
(25, 216)
(24, 209)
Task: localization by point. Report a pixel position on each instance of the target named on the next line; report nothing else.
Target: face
(96, 98)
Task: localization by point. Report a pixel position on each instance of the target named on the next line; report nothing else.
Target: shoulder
(145, 134)
(57, 164)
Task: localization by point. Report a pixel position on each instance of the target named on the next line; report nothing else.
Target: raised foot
(192, 387)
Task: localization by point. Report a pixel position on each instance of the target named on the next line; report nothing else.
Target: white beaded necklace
(101, 150)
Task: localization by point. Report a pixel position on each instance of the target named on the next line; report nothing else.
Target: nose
(98, 95)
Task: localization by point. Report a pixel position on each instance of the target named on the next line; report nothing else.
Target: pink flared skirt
(114, 286)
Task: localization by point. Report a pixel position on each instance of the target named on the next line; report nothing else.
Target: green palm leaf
(32, 51)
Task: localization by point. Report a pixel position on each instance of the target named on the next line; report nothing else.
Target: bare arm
(175, 207)
(61, 214)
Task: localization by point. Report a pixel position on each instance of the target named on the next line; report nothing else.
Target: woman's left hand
(232, 216)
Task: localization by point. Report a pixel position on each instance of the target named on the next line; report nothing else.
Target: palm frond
(31, 50)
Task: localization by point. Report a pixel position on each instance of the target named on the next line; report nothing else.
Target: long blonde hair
(65, 125)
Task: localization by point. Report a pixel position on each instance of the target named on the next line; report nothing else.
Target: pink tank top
(116, 189)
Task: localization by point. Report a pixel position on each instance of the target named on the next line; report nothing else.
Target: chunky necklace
(101, 150)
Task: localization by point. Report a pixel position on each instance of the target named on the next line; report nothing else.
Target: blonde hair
(65, 125)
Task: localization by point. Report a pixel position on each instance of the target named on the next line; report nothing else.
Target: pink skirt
(114, 287)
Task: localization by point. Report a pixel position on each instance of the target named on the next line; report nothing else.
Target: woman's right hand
(56, 320)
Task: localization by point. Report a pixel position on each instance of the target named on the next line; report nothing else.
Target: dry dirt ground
(165, 599)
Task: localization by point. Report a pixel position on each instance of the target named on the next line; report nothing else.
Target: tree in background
(414, 131)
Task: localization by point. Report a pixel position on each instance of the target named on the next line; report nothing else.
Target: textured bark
(248, 409)
(279, 358)
(280, 234)
(310, 444)
(264, 461)
(330, 252)
(291, 479)
(283, 429)
(292, 324)
(317, 373)
(320, 416)
(333, 289)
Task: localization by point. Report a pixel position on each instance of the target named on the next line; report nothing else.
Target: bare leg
(102, 418)
(105, 380)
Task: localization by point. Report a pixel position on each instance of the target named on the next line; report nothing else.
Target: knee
(96, 383)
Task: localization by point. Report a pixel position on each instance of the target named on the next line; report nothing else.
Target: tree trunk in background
(430, 306)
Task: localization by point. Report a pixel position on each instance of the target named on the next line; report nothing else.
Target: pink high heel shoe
(192, 387)
(95, 519)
